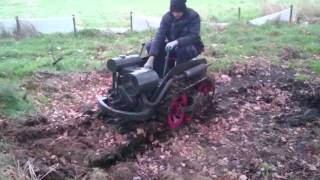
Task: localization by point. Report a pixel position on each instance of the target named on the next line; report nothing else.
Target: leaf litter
(264, 124)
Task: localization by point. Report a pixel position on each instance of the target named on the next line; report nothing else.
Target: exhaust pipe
(195, 71)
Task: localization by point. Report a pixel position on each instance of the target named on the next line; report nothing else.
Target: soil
(264, 125)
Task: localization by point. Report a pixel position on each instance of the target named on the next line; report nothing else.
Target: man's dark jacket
(186, 30)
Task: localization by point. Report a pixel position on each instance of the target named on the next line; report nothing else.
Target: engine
(130, 80)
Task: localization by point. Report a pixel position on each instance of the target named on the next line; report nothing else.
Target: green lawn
(20, 59)
(116, 13)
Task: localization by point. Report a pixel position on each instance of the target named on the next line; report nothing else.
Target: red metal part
(176, 114)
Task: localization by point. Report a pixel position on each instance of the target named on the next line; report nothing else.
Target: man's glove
(149, 63)
(171, 45)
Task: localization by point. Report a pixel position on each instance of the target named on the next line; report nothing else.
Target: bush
(12, 100)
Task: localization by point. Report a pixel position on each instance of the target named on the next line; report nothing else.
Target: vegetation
(315, 66)
(88, 51)
(12, 100)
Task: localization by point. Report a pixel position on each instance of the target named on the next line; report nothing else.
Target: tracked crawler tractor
(139, 94)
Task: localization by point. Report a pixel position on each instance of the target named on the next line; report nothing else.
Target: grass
(20, 59)
(12, 101)
(104, 13)
(302, 77)
(16, 170)
(314, 66)
(240, 40)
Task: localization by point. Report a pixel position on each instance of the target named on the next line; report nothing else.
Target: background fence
(25, 27)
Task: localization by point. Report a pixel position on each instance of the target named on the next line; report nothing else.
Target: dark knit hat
(178, 5)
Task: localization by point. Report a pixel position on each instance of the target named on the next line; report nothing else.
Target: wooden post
(74, 25)
(291, 14)
(131, 19)
(239, 13)
(18, 26)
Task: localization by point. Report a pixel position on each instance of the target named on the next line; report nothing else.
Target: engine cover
(115, 64)
(140, 80)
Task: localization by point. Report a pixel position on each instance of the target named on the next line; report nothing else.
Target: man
(180, 27)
